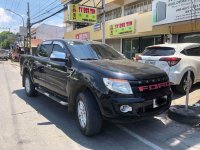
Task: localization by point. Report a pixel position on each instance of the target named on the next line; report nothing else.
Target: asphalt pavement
(41, 124)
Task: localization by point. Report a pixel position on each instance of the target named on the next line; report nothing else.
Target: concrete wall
(46, 32)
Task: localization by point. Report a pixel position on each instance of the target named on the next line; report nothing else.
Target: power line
(47, 11)
(49, 16)
(44, 8)
(36, 11)
(53, 13)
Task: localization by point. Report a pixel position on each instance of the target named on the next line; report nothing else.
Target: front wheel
(88, 114)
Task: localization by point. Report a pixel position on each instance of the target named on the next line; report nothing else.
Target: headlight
(118, 85)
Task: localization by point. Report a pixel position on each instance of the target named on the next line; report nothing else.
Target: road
(41, 124)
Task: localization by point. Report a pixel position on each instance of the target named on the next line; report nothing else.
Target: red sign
(83, 36)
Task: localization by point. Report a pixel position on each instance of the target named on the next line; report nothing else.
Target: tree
(6, 39)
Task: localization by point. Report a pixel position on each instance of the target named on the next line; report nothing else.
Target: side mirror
(58, 56)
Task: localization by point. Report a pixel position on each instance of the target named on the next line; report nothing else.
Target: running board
(52, 97)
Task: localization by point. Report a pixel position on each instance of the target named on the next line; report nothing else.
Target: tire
(181, 87)
(29, 86)
(88, 110)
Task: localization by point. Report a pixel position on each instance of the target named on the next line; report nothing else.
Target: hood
(125, 69)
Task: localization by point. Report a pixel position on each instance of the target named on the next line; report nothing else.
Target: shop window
(117, 13)
(146, 41)
(158, 40)
(138, 7)
(113, 14)
(127, 48)
(131, 47)
(189, 38)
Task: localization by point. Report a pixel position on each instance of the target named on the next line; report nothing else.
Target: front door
(56, 70)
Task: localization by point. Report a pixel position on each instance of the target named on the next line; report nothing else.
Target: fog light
(165, 97)
(125, 108)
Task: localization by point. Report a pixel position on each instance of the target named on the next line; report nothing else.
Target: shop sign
(97, 26)
(122, 28)
(172, 11)
(78, 13)
(23, 31)
(83, 36)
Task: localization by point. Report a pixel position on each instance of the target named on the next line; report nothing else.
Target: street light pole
(22, 21)
(17, 15)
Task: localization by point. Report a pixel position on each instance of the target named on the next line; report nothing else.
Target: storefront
(189, 38)
(132, 46)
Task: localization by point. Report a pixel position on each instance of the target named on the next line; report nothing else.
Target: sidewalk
(194, 97)
(178, 111)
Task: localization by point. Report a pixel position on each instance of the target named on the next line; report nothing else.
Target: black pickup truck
(96, 82)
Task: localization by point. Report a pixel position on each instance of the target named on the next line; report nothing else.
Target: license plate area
(150, 62)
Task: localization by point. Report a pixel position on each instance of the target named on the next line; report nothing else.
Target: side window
(193, 51)
(58, 48)
(45, 50)
(58, 51)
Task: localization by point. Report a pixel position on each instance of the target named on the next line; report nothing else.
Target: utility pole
(29, 29)
(103, 22)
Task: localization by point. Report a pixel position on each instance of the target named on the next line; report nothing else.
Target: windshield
(158, 51)
(85, 51)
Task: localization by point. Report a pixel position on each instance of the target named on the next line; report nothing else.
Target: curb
(179, 114)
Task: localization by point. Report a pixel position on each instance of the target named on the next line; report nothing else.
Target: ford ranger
(96, 82)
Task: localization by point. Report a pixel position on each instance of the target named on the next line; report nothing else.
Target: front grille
(148, 95)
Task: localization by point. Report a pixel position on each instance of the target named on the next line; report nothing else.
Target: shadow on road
(112, 137)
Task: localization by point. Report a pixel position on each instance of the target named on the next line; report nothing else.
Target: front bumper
(141, 108)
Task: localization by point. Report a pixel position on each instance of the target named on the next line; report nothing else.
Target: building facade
(45, 32)
(135, 17)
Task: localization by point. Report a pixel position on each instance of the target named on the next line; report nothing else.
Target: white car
(176, 60)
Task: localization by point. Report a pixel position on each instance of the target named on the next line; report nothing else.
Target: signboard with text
(97, 26)
(23, 31)
(172, 11)
(122, 28)
(78, 13)
(83, 36)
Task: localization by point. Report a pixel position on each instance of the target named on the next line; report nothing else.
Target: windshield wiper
(89, 59)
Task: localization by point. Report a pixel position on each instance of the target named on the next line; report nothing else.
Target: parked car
(96, 82)
(3, 54)
(176, 60)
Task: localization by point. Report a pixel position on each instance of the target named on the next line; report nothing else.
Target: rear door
(153, 56)
(194, 55)
(40, 61)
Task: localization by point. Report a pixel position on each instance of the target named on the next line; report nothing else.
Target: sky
(38, 10)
